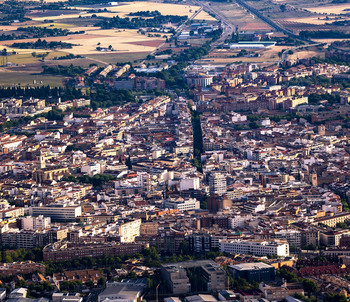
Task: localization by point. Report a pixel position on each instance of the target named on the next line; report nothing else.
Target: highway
(227, 26)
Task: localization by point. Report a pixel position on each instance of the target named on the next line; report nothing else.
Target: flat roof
(250, 266)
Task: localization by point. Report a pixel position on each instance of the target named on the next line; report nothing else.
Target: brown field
(330, 9)
(255, 26)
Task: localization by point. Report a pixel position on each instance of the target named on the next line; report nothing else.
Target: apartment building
(255, 247)
(128, 231)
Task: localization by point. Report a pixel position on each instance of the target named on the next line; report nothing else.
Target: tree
(128, 163)
(290, 277)
(310, 286)
(101, 282)
(241, 283)
(335, 298)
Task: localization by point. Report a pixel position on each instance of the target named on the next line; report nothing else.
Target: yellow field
(121, 41)
(331, 9)
(26, 57)
(164, 8)
(314, 20)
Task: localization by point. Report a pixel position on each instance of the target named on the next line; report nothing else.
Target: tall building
(144, 181)
(217, 183)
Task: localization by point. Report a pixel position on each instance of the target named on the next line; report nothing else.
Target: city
(176, 151)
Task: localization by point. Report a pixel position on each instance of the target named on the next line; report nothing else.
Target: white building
(57, 212)
(255, 247)
(189, 183)
(92, 169)
(182, 205)
(35, 223)
(236, 117)
(66, 297)
(129, 230)
(18, 293)
(144, 180)
(238, 220)
(121, 292)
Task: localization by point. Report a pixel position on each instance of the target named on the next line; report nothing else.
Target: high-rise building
(217, 183)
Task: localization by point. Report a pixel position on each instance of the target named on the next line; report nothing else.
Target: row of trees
(136, 23)
(323, 34)
(97, 180)
(69, 71)
(42, 44)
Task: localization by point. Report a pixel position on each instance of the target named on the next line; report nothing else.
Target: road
(180, 27)
(227, 26)
(270, 22)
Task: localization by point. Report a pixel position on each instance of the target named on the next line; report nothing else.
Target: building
(257, 271)
(332, 238)
(26, 267)
(182, 204)
(128, 231)
(66, 297)
(57, 212)
(252, 44)
(217, 184)
(255, 247)
(62, 251)
(35, 223)
(129, 290)
(279, 293)
(332, 221)
(211, 276)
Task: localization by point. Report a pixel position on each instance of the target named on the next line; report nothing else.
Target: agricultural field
(330, 9)
(124, 9)
(239, 16)
(265, 56)
(24, 79)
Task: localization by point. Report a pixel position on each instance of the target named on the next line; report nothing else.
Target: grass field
(27, 58)
(27, 79)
